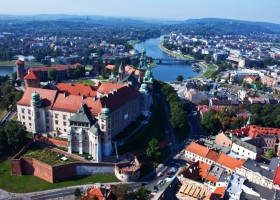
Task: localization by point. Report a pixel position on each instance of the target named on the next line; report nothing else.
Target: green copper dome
(35, 99)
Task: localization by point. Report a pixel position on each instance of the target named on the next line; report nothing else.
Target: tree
(153, 149)
(269, 154)
(180, 78)
(68, 73)
(52, 74)
(122, 191)
(16, 134)
(77, 193)
(3, 140)
(80, 71)
(207, 58)
(141, 194)
(211, 122)
(178, 117)
(14, 76)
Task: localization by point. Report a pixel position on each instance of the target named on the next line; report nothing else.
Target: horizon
(133, 18)
(177, 10)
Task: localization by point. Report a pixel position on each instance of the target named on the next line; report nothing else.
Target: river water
(167, 71)
(7, 70)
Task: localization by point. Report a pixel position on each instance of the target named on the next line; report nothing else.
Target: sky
(251, 10)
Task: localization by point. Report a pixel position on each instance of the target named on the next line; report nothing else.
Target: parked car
(160, 174)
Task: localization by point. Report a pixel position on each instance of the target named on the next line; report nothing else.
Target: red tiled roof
(129, 70)
(254, 78)
(77, 89)
(204, 169)
(255, 131)
(101, 194)
(212, 155)
(212, 178)
(230, 162)
(119, 98)
(47, 96)
(220, 191)
(19, 62)
(57, 68)
(197, 149)
(106, 88)
(110, 67)
(31, 76)
(276, 179)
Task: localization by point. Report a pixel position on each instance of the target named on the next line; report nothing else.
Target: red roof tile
(58, 68)
(212, 155)
(129, 70)
(110, 67)
(47, 96)
(106, 88)
(77, 89)
(198, 149)
(230, 162)
(31, 76)
(204, 169)
(276, 179)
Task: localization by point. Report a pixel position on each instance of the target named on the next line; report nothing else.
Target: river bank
(177, 55)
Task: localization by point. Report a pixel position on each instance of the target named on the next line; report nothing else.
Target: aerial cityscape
(142, 100)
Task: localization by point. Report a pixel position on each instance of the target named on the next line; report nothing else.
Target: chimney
(94, 98)
(83, 97)
(65, 94)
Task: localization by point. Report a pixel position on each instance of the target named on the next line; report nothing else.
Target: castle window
(56, 122)
(23, 117)
(29, 118)
(23, 123)
(64, 117)
(22, 110)
(29, 124)
(29, 112)
(64, 123)
(56, 116)
(65, 130)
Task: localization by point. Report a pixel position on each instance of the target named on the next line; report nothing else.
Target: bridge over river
(168, 61)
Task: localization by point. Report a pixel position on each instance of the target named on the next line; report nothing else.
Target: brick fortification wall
(53, 174)
(16, 160)
(37, 168)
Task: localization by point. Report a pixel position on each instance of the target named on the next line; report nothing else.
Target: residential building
(255, 173)
(245, 149)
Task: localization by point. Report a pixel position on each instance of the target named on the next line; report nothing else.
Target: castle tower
(104, 121)
(32, 80)
(121, 72)
(146, 99)
(35, 110)
(20, 70)
(143, 61)
(149, 79)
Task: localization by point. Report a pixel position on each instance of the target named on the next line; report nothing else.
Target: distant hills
(232, 26)
(199, 26)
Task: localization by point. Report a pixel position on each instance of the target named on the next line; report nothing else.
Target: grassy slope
(30, 183)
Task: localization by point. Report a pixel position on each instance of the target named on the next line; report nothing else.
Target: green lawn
(87, 81)
(46, 155)
(133, 42)
(29, 183)
(209, 69)
(155, 129)
(12, 63)
(3, 112)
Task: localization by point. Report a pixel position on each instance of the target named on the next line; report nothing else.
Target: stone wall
(39, 169)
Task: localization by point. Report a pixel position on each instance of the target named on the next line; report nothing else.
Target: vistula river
(167, 71)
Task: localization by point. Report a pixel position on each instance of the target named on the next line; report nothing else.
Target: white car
(160, 174)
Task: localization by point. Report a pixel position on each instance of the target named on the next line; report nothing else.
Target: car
(160, 182)
(167, 173)
(160, 174)
(155, 187)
